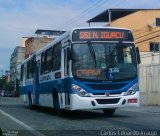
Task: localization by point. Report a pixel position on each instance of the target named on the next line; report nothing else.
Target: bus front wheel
(109, 112)
(56, 104)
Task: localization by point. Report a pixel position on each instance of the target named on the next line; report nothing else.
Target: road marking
(32, 130)
(147, 112)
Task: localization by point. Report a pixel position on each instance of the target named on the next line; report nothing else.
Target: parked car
(2, 93)
(6, 93)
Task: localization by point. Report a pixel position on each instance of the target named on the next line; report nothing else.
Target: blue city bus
(85, 68)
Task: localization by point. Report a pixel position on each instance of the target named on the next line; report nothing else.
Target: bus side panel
(47, 89)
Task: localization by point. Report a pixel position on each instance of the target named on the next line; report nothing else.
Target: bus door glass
(66, 76)
(36, 81)
(25, 76)
(66, 63)
(38, 66)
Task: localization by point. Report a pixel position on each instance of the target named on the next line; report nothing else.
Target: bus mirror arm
(138, 55)
(69, 54)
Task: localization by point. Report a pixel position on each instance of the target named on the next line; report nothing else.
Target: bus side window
(57, 57)
(30, 68)
(42, 63)
(22, 72)
(48, 60)
(38, 65)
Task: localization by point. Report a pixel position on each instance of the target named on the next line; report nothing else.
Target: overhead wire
(91, 8)
(75, 20)
(148, 39)
(83, 16)
(147, 34)
(79, 15)
(142, 31)
(118, 4)
(138, 29)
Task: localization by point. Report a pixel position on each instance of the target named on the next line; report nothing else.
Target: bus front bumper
(80, 103)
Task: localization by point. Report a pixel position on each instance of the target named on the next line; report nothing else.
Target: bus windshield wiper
(92, 52)
(107, 56)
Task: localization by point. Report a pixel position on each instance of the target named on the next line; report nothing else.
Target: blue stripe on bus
(61, 85)
(26, 89)
(87, 86)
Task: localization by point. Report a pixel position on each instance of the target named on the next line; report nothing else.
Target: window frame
(155, 46)
(57, 54)
(42, 63)
(30, 68)
(48, 53)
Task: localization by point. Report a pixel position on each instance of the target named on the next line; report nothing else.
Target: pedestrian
(0, 132)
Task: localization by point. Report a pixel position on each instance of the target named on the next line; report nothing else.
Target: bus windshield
(104, 61)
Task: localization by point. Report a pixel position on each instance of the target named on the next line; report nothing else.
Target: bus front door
(36, 83)
(66, 77)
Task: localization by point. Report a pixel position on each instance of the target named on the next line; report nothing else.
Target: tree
(2, 82)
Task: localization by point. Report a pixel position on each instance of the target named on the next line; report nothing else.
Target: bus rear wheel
(109, 112)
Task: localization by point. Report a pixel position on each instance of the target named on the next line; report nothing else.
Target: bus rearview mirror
(69, 54)
(138, 55)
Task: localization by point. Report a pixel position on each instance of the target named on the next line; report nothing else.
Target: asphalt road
(17, 119)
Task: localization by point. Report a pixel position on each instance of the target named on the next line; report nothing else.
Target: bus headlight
(132, 90)
(80, 91)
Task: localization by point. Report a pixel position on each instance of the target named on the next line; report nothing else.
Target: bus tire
(30, 105)
(56, 104)
(109, 112)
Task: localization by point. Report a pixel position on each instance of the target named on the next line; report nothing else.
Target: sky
(21, 18)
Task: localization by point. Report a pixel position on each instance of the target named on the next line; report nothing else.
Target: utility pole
(109, 17)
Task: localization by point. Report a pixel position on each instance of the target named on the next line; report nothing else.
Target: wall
(24, 40)
(33, 44)
(17, 57)
(142, 24)
(149, 80)
(150, 58)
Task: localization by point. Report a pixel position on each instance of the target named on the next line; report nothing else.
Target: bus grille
(110, 93)
(106, 86)
(108, 101)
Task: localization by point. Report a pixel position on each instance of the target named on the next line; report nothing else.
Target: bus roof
(65, 35)
(100, 27)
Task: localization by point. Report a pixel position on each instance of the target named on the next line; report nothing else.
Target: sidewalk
(146, 109)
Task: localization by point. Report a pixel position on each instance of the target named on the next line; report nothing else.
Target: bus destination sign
(102, 35)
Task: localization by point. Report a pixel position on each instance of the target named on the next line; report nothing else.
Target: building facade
(24, 41)
(17, 57)
(145, 25)
(33, 44)
(8, 77)
(29, 46)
